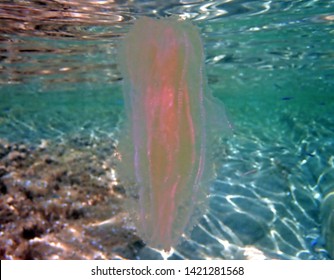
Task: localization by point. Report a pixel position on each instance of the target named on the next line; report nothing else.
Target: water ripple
(50, 39)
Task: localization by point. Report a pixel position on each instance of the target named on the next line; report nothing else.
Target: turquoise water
(270, 62)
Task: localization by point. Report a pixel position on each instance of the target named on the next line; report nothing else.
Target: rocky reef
(62, 201)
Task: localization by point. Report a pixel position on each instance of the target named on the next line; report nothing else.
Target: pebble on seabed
(57, 194)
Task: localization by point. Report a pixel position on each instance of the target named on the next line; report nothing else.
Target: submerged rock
(327, 217)
(55, 201)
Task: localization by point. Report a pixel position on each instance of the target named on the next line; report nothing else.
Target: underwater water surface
(61, 111)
